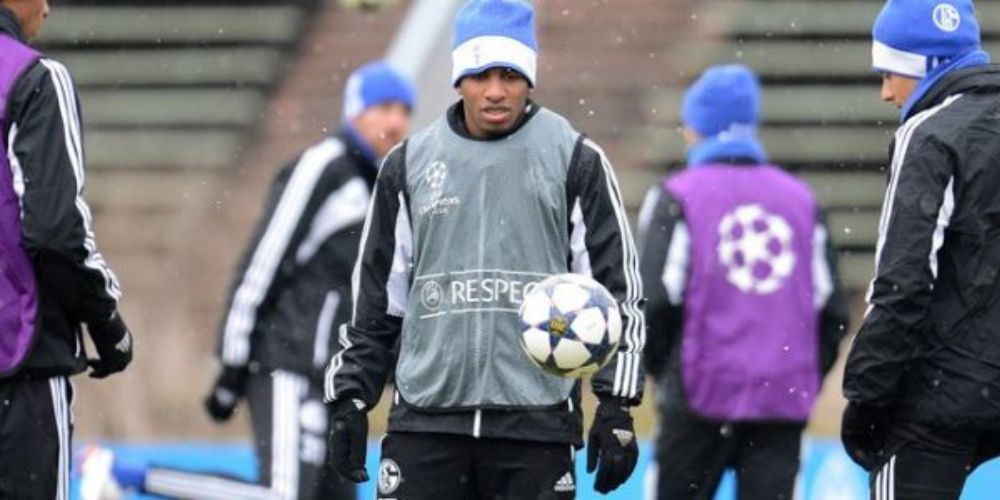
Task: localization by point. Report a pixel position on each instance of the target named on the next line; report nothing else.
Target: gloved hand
(114, 346)
(347, 446)
(611, 444)
(226, 393)
(863, 432)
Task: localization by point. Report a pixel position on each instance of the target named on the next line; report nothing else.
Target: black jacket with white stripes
(360, 371)
(75, 284)
(659, 219)
(929, 347)
(293, 286)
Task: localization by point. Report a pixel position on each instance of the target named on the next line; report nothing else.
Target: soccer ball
(570, 325)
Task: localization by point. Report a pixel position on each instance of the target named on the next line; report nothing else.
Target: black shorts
(930, 463)
(692, 453)
(36, 427)
(425, 466)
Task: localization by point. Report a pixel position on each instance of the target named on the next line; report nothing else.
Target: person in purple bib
(53, 280)
(744, 306)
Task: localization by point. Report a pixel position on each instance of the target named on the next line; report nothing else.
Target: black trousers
(930, 463)
(693, 452)
(425, 466)
(36, 427)
(290, 425)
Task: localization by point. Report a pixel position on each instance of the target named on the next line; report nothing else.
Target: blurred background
(191, 106)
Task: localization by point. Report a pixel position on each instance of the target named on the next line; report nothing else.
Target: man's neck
(10, 24)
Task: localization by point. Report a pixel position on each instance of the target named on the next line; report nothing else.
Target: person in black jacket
(923, 375)
(52, 277)
(292, 288)
(491, 198)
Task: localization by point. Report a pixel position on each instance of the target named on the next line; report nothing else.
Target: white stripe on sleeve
(398, 286)
(272, 246)
(675, 268)
(70, 114)
(822, 275)
(646, 211)
(635, 335)
(344, 207)
(943, 221)
(580, 258)
(903, 136)
(324, 324)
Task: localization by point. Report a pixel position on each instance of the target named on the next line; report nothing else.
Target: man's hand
(114, 346)
(863, 432)
(611, 444)
(226, 393)
(348, 443)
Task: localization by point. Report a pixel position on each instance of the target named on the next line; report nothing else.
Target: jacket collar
(959, 81)
(358, 153)
(10, 25)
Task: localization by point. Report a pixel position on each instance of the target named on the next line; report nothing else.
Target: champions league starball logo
(755, 248)
(435, 176)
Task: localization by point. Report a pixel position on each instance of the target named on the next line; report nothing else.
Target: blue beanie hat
(724, 99)
(373, 84)
(912, 37)
(494, 34)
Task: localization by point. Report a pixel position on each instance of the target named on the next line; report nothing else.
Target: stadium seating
(822, 116)
(164, 87)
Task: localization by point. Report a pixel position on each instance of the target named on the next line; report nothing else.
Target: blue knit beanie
(912, 37)
(373, 84)
(494, 34)
(724, 99)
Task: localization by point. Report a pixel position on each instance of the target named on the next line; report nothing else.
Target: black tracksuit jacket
(929, 347)
(293, 284)
(75, 284)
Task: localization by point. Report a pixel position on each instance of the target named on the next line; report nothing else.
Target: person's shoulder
(47, 67)
(782, 177)
(951, 115)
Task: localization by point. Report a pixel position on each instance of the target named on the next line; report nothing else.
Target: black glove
(863, 432)
(226, 393)
(114, 346)
(612, 444)
(348, 443)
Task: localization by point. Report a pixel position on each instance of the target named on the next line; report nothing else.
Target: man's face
(897, 88)
(30, 14)
(383, 126)
(494, 101)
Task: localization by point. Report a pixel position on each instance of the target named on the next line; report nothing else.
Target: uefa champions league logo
(755, 248)
(431, 295)
(946, 17)
(436, 203)
(435, 176)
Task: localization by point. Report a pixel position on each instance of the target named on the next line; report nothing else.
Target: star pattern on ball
(571, 325)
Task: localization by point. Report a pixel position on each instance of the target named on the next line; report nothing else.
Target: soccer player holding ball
(744, 304)
(467, 216)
